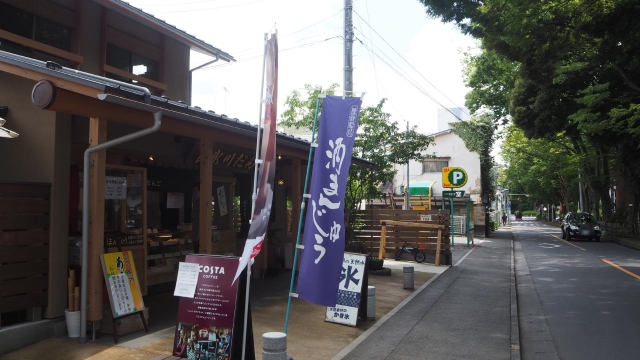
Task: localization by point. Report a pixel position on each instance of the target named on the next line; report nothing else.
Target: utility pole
(347, 82)
(407, 189)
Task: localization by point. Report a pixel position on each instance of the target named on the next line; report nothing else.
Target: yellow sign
(453, 177)
(122, 283)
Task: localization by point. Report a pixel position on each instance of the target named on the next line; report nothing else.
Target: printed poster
(175, 200)
(115, 187)
(349, 291)
(222, 201)
(122, 283)
(204, 329)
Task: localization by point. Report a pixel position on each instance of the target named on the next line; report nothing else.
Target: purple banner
(321, 259)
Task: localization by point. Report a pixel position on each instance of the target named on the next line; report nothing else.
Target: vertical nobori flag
(267, 171)
(324, 231)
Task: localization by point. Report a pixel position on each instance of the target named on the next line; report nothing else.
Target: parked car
(580, 225)
(518, 215)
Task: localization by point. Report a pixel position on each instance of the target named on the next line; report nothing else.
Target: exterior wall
(446, 145)
(133, 28)
(58, 244)
(176, 74)
(90, 44)
(30, 156)
(40, 154)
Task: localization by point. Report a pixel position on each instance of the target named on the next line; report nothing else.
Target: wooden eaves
(75, 92)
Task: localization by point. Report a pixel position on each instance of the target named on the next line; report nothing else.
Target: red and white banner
(267, 170)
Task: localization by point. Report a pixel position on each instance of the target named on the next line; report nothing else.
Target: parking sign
(453, 177)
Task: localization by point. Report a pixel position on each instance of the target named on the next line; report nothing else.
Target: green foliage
(378, 140)
(479, 136)
(566, 73)
(493, 226)
(531, 213)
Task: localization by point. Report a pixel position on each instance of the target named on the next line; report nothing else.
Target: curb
(345, 351)
(632, 244)
(515, 320)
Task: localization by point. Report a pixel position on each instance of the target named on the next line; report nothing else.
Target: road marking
(549, 246)
(621, 268)
(566, 242)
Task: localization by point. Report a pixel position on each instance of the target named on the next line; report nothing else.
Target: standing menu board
(209, 325)
(122, 283)
(349, 291)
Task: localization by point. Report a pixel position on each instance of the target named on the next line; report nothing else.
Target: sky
(399, 32)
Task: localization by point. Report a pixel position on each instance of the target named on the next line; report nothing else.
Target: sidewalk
(465, 313)
(309, 336)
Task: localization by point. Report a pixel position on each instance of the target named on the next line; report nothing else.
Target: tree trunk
(626, 187)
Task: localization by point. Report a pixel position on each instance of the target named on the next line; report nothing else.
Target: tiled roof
(137, 15)
(185, 112)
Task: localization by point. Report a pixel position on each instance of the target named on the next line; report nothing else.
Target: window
(126, 60)
(33, 27)
(435, 165)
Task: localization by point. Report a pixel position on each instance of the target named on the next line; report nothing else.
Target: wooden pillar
(103, 41)
(296, 199)
(206, 188)
(97, 135)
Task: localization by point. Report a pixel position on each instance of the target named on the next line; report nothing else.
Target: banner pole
(302, 207)
(257, 160)
(254, 197)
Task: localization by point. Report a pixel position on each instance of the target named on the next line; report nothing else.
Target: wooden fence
(620, 230)
(24, 247)
(423, 237)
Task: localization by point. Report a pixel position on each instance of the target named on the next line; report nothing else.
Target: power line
(414, 84)
(405, 60)
(214, 8)
(280, 50)
(182, 3)
(378, 79)
(289, 34)
(314, 24)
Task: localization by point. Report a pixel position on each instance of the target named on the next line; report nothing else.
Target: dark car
(580, 225)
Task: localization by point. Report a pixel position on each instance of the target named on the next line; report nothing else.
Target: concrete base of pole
(371, 303)
(408, 277)
(274, 346)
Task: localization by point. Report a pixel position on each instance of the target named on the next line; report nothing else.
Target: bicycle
(417, 253)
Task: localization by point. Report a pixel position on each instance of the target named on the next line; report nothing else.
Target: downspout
(191, 76)
(157, 117)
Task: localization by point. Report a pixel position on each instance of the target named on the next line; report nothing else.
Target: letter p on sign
(453, 177)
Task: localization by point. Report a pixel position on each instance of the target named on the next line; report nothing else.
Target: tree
(378, 140)
(577, 70)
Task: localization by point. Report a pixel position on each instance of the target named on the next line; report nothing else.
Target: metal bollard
(274, 346)
(408, 277)
(371, 303)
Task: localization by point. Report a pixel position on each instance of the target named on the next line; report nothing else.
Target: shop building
(78, 73)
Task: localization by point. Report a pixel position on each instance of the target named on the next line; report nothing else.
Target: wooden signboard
(123, 287)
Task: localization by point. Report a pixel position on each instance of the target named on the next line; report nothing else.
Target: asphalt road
(578, 299)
